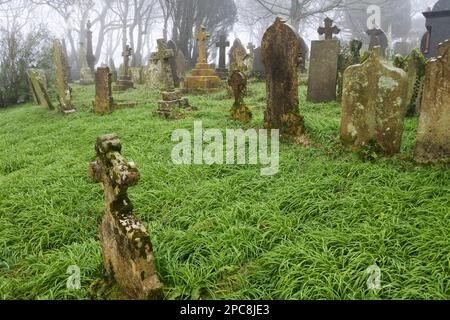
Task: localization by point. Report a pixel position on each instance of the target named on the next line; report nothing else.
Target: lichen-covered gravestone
(136, 75)
(62, 79)
(38, 87)
(126, 247)
(238, 54)
(324, 65)
(125, 82)
(238, 84)
(374, 106)
(152, 75)
(433, 137)
(104, 102)
(281, 52)
(349, 55)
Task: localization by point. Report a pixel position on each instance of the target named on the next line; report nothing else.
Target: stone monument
(222, 70)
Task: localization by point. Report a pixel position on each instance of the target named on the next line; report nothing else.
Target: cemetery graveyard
(89, 180)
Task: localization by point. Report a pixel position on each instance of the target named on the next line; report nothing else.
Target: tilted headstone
(127, 251)
(173, 63)
(38, 87)
(104, 102)
(125, 82)
(62, 79)
(181, 67)
(223, 43)
(374, 106)
(377, 38)
(433, 136)
(238, 84)
(238, 54)
(324, 65)
(281, 50)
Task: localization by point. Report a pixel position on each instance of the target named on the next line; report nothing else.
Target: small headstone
(38, 87)
(152, 75)
(125, 82)
(324, 65)
(238, 84)
(374, 105)
(173, 63)
(104, 102)
(126, 247)
(433, 136)
(223, 43)
(238, 54)
(281, 52)
(62, 79)
(181, 67)
(377, 38)
(259, 70)
(136, 75)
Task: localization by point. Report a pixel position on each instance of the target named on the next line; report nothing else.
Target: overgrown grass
(221, 232)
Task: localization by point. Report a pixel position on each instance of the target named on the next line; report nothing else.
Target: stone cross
(202, 37)
(329, 29)
(163, 56)
(222, 45)
(127, 53)
(126, 247)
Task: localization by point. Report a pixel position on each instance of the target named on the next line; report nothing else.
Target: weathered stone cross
(222, 45)
(163, 55)
(127, 53)
(202, 37)
(126, 246)
(329, 29)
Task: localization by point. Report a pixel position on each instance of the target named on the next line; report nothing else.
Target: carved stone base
(203, 78)
(173, 105)
(241, 113)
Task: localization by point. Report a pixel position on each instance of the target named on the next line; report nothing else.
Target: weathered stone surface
(259, 71)
(281, 50)
(438, 28)
(250, 58)
(433, 137)
(104, 102)
(181, 67)
(203, 77)
(136, 75)
(125, 82)
(86, 74)
(38, 87)
(90, 57)
(377, 38)
(173, 63)
(238, 54)
(62, 79)
(323, 71)
(328, 30)
(350, 55)
(112, 67)
(238, 84)
(164, 56)
(126, 247)
(374, 105)
(223, 43)
(152, 75)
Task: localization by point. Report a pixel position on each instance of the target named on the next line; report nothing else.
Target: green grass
(221, 232)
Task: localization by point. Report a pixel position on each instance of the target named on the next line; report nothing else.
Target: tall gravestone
(173, 63)
(203, 77)
(90, 50)
(433, 136)
(259, 71)
(125, 82)
(374, 105)
(62, 79)
(438, 28)
(324, 65)
(377, 38)
(86, 74)
(250, 58)
(238, 54)
(181, 67)
(127, 251)
(68, 66)
(104, 102)
(281, 52)
(223, 43)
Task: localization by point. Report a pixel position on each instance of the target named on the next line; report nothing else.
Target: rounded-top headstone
(442, 5)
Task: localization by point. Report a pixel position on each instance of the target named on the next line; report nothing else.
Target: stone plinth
(203, 78)
(172, 105)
